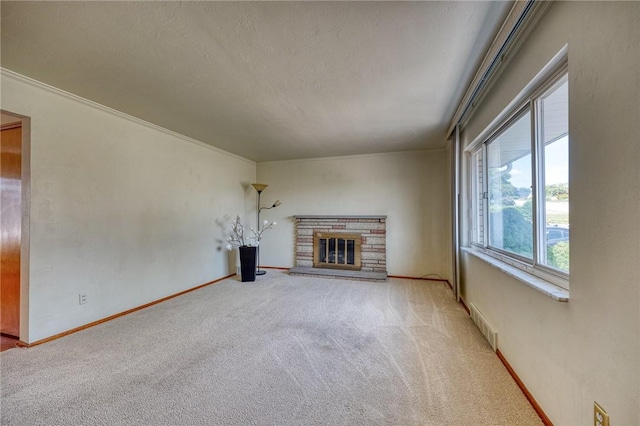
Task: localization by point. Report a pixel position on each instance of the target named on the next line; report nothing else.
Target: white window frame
(532, 104)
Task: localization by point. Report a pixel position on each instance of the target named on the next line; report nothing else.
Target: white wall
(124, 212)
(410, 188)
(570, 355)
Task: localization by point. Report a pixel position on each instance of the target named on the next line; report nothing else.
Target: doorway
(11, 200)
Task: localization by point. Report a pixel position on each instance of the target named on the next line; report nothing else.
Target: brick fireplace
(348, 246)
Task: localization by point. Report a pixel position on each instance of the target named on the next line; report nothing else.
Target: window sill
(553, 291)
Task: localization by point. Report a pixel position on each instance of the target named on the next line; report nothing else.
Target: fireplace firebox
(337, 250)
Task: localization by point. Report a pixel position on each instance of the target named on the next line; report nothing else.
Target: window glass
(477, 189)
(509, 186)
(554, 111)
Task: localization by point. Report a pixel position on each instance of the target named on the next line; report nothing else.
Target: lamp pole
(261, 187)
(258, 187)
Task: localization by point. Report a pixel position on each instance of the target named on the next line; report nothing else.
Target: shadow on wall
(222, 228)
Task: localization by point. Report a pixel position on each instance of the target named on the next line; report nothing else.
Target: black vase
(247, 263)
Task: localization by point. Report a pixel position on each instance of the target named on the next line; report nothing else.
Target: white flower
(237, 238)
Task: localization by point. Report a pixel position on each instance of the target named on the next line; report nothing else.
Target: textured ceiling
(267, 81)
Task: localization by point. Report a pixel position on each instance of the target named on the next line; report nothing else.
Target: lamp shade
(259, 186)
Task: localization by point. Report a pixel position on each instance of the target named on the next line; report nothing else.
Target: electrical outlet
(82, 298)
(600, 417)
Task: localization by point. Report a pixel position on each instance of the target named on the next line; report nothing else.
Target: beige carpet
(280, 351)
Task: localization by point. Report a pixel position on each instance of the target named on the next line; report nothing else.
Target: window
(509, 164)
(520, 186)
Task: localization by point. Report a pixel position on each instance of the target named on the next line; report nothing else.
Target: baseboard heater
(485, 327)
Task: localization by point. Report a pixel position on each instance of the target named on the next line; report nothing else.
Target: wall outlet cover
(600, 417)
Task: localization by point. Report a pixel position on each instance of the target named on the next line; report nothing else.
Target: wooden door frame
(26, 220)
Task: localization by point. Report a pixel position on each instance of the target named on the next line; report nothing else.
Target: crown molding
(356, 156)
(6, 73)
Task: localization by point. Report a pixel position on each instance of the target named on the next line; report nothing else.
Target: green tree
(558, 256)
(516, 231)
(501, 190)
(527, 210)
(524, 192)
(557, 191)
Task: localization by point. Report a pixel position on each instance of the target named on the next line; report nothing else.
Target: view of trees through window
(510, 186)
(554, 111)
(509, 156)
(511, 213)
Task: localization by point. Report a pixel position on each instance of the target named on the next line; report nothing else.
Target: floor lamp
(261, 187)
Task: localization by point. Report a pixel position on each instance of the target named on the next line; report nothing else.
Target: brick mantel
(307, 217)
(372, 229)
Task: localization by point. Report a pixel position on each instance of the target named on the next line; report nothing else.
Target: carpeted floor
(279, 351)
